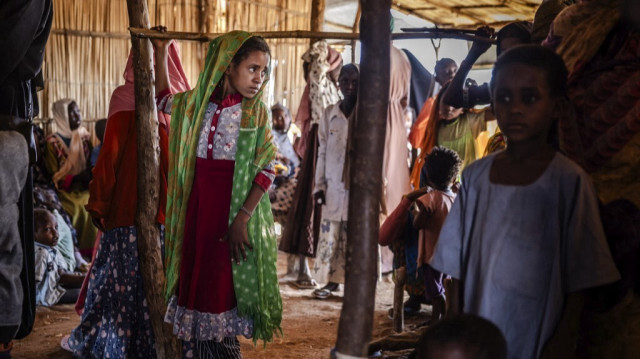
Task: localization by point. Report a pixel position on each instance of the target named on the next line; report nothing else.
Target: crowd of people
(527, 227)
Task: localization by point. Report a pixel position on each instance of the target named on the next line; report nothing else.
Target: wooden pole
(148, 148)
(354, 29)
(317, 17)
(356, 318)
(300, 34)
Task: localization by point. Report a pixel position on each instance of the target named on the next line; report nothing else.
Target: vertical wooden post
(317, 17)
(148, 148)
(356, 318)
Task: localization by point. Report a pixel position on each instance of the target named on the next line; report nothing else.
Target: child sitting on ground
(43, 198)
(463, 337)
(524, 237)
(53, 284)
(429, 212)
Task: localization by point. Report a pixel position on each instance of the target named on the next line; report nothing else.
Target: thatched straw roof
(469, 13)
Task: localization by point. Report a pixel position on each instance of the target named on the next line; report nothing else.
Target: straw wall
(88, 67)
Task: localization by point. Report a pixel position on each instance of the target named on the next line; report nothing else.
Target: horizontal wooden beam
(84, 33)
(302, 34)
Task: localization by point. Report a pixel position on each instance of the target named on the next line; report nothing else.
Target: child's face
(279, 120)
(47, 232)
(522, 104)
(247, 76)
(446, 73)
(448, 112)
(348, 83)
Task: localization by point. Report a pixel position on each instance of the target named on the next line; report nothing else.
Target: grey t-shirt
(520, 249)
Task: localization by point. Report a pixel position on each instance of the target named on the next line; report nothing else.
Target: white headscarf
(76, 160)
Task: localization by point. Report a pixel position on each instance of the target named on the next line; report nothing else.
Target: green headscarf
(255, 281)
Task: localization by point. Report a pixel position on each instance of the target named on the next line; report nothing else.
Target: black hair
(350, 66)
(442, 63)
(100, 127)
(520, 30)
(40, 216)
(477, 337)
(537, 56)
(442, 166)
(254, 43)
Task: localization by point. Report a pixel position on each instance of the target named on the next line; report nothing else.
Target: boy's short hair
(477, 337)
(40, 216)
(442, 166)
(442, 63)
(540, 57)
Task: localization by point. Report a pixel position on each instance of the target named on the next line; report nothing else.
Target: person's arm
(454, 95)
(161, 47)
(71, 280)
(563, 343)
(421, 215)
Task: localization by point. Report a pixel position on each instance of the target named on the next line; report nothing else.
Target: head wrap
(123, 98)
(255, 280)
(287, 115)
(76, 160)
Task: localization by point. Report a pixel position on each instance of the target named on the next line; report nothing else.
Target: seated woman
(287, 162)
(67, 160)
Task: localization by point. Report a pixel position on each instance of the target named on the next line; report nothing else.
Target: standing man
(25, 25)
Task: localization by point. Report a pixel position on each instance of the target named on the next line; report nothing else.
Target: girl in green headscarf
(220, 244)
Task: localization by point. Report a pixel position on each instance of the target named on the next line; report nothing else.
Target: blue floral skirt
(115, 321)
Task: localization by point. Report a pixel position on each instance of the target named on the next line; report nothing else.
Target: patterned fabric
(227, 348)
(190, 324)
(219, 131)
(320, 91)
(47, 262)
(115, 320)
(331, 259)
(260, 301)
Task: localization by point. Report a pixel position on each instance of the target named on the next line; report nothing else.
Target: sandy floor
(310, 326)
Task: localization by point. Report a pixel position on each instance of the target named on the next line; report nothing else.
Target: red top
(113, 190)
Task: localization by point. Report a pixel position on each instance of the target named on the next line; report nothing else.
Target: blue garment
(115, 321)
(422, 83)
(94, 154)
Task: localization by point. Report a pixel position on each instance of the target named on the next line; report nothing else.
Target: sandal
(321, 293)
(64, 343)
(305, 283)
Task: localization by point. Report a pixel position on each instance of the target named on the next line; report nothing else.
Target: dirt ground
(309, 325)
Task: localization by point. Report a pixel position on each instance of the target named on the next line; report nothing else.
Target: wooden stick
(148, 149)
(301, 34)
(356, 317)
(398, 299)
(108, 35)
